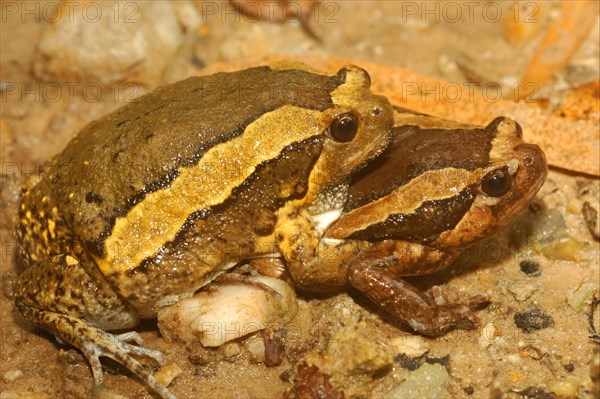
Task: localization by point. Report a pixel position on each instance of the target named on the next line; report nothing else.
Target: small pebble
(533, 319)
(549, 237)
(530, 268)
(256, 347)
(104, 392)
(569, 367)
(167, 374)
(469, 390)
(11, 375)
(429, 381)
(407, 362)
(312, 383)
(23, 395)
(411, 346)
(274, 346)
(351, 352)
(231, 349)
(581, 296)
(566, 388)
(522, 290)
(8, 284)
(568, 248)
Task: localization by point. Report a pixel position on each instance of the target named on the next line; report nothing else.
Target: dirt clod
(312, 384)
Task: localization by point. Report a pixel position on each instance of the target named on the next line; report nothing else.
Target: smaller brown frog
(439, 188)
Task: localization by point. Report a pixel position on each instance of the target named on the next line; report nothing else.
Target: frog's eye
(496, 183)
(344, 127)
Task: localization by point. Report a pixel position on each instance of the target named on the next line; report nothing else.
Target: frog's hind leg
(97, 343)
(59, 295)
(377, 273)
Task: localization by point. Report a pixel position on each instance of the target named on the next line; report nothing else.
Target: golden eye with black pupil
(496, 183)
(344, 127)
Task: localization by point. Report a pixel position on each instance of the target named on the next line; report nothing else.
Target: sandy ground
(498, 360)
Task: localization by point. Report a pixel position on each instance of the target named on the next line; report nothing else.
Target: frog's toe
(478, 301)
(93, 353)
(464, 318)
(130, 336)
(456, 316)
(138, 350)
(116, 347)
(95, 342)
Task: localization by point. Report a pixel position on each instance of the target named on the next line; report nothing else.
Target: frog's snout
(382, 110)
(532, 168)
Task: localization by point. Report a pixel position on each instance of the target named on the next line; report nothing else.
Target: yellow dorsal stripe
(432, 185)
(156, 220)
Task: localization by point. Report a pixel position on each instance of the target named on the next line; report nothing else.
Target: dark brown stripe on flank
(140, 148)
(424, 225)
(414, 151)
(248, 203)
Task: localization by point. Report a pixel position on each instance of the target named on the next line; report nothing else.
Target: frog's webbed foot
(95, 342)
(457, 315)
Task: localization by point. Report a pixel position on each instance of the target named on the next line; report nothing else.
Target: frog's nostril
(518, 131)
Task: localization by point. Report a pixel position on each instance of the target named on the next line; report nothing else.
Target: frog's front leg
(314, 264)
(58, 295)
(376, 273)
